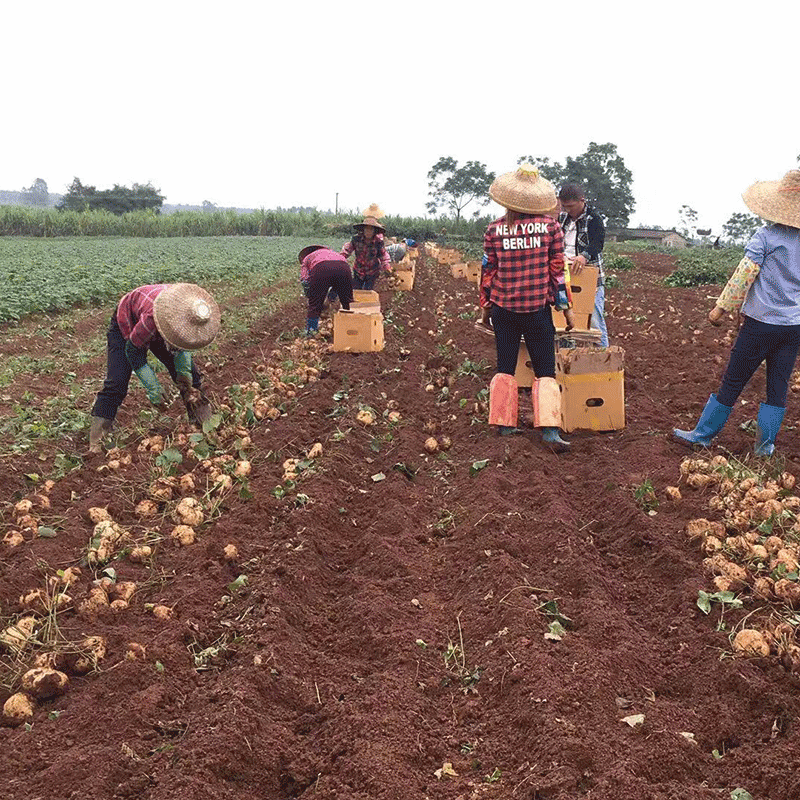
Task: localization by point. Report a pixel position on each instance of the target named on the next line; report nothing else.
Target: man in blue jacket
(584, 237)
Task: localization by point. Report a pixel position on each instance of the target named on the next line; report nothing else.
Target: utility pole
(337, 202)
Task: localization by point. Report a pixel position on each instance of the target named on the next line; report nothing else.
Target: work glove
(155, 393)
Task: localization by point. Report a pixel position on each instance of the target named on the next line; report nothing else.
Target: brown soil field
(393, 616)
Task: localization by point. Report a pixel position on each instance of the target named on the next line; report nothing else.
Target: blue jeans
(364, 283)
(599, 315)
(758, 342)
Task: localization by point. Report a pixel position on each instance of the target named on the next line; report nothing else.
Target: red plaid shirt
(135, 314)
(525, 262)
(371, 255)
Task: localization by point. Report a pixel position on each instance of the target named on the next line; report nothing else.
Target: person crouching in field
(322, 270)
(523, 275)
(169, 320)
(371, 254)
(765, 289)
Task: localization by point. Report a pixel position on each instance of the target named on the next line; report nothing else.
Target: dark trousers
(118, 371)
(367, 282)
(758, 342)
(329, 275)
(539, 332)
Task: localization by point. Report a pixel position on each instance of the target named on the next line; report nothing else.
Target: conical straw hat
(371, 221)
(374, 210)
(776, 201)
(525, 191)
(187, 317)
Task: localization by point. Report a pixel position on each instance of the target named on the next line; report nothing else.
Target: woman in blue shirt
(765, 288)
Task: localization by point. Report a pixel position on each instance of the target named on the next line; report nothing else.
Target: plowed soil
(392, 625)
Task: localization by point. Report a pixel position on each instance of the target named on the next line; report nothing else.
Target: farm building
(670, 238)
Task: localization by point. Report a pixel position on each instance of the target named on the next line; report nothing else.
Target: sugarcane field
(335, 579)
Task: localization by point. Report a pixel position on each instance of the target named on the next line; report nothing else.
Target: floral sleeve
(738, 285)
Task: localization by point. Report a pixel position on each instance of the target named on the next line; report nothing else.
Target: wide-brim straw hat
(524, 190)
(371, 221)
(373, 210)
(776, 201)
(187, 317)
(307, 251)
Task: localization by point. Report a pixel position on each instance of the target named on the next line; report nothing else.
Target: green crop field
(43, 275)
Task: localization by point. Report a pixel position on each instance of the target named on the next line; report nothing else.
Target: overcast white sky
(287, 103)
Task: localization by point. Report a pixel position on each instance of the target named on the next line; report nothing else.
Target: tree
(118, 200)
(602, 174)
(209, 207)
(37, 194)
(741, 226)
(688, 221)
(453, 187)
(78, 197)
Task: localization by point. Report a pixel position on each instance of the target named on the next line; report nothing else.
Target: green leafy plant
(645, 496)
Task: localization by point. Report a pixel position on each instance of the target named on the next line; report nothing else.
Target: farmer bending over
(321, 270)
(169, 320)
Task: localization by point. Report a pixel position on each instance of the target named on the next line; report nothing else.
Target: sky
(264, 104)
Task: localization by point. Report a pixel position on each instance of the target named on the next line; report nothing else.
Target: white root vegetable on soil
(189, 512)
(184, 535)
(18, 708)
(750, 642)
(43, 683)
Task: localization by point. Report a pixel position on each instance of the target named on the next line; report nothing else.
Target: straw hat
(306, 251)
(525, 191)
(371, 221)
(187, 317)
(374, 210)
(776, 201)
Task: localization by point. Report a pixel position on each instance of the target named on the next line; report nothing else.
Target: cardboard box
(583, 322)
(366, 296)
(593, 401)
(592, 381)
(404, 264)
(459, 270)
(524, 372)
(365, 308)
(474, 273)
(584, 289)
(404, 281)
(357, 333)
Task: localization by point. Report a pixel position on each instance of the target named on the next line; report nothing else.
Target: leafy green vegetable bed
(54, 274)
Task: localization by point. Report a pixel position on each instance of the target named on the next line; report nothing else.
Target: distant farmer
(396, 251)
(169, 320)
(371, 255)
(584, 237)
(321, 270)
(765, 290)
(523, 275)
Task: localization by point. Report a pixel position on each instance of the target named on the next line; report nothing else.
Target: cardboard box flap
(585, 360)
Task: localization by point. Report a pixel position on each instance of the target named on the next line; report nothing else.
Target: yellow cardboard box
(357, 332)
(459, 270)
(592, 381)
(404, 281)
(584, 288)
(366, 296)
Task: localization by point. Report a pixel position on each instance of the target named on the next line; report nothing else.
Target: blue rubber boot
(551, 436)
(312, 325)
(711, 422)
(768, 424)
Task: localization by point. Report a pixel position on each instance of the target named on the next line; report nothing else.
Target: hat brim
(172, 313)
(514, 204)
(765, 199)
(378, 227)
(307, 251)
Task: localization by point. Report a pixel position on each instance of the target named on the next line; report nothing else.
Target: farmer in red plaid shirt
(169, 320)
(523, 275)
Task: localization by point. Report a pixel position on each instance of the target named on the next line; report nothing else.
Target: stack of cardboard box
(359, 330)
